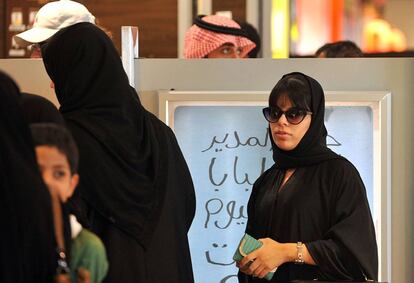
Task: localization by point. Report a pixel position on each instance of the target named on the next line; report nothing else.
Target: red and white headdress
(210, 32)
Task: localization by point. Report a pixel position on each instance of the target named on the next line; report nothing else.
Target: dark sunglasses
(293, 115)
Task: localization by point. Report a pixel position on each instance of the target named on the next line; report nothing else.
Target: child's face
(55, 170)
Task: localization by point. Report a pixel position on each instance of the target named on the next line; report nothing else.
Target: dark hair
(340, 49)
(296, 88)
(54, 135)
(254, 36)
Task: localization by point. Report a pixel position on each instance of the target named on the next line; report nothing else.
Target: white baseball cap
(51, 18)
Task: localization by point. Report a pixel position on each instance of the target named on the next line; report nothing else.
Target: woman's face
(285, 135)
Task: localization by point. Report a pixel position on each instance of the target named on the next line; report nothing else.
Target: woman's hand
(265, 259)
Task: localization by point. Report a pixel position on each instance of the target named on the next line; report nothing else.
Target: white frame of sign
(380, 103)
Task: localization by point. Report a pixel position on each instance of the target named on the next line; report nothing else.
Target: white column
(129, 42)
(185, 19)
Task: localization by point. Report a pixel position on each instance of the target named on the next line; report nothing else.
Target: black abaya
(324, 206)
(132, 172)
(27, 249)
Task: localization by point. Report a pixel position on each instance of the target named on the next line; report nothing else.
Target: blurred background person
(339, 49)
(216, 37)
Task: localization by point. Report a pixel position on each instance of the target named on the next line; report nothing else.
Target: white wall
(31, 76)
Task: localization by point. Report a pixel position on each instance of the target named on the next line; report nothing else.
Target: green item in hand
(247, 245)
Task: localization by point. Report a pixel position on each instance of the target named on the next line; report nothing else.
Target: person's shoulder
(90, 241)
(36, 99)
(340, 163)
(338, 168)
(92, 254)
(38, 109)
(341, 173)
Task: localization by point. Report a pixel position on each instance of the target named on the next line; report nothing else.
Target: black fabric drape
(132, 171)
(27, 249)
(126, 153)
(312, 148)
(122, 150)
(325, 206)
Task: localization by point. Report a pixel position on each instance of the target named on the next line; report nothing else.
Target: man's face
(227, 50)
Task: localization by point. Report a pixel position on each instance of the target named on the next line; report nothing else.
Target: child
(57, 157)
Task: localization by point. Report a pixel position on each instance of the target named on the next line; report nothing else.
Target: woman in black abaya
(135, 187)
(27, 252)
(310, 208)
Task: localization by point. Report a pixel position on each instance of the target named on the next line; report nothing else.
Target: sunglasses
(293, 115)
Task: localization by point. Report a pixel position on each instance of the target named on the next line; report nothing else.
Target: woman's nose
(282, 120)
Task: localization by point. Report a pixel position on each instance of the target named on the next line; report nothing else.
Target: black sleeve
(348, 250)
(252, 200)
(185, 179)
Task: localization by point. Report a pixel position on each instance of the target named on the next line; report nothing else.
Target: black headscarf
(27, 243)
(312, 148)
(198, 21)
(37, 109)
(122, 146)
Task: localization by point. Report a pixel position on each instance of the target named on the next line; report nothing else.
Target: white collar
(75, 226)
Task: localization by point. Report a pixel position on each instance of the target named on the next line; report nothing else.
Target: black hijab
(37, 109)
(122, 147)
(27, 243)
(312, 148)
